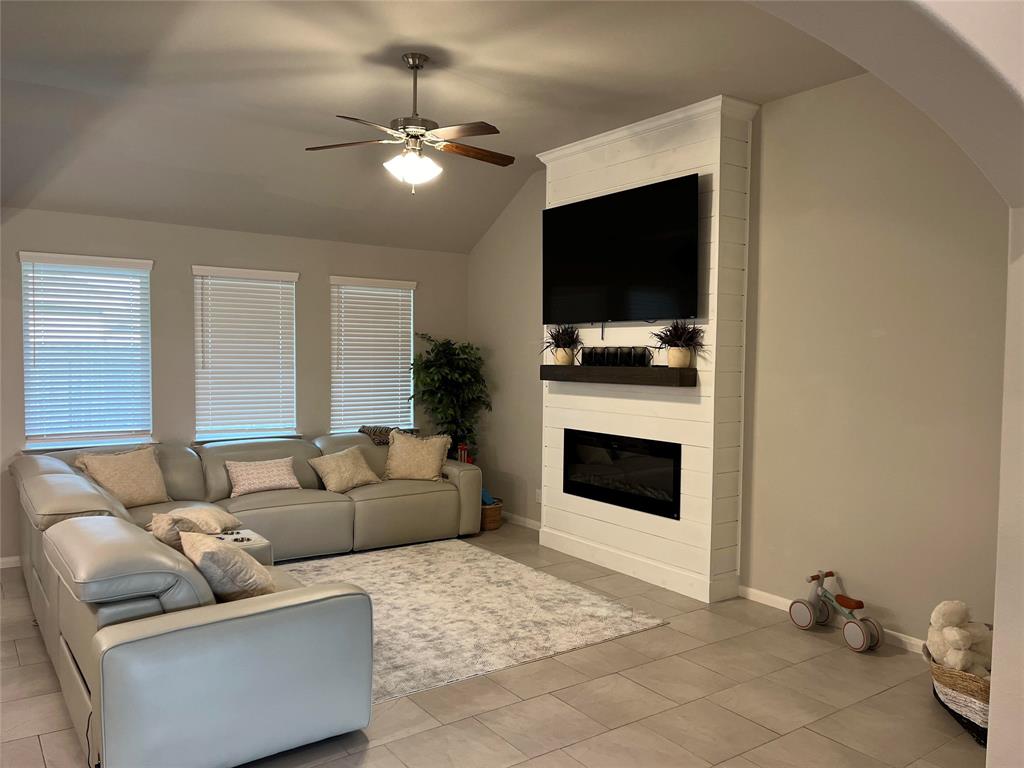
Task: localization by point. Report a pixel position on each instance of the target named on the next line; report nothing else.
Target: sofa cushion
(144, 515)
(376, 455)
(254, 476)
(169, 526)
(49, 499)
(232, 573)
(182, 470)
(134, 477)
(344, 470)
(283, 580)
(214, 455)
(298, 523)
(398, 512)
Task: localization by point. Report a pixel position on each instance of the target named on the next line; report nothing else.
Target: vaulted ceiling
(197, 113)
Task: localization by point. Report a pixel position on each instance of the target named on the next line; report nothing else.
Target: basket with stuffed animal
(959, 654)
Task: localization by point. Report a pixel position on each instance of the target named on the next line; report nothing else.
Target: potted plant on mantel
(683, 341)
(563, 341)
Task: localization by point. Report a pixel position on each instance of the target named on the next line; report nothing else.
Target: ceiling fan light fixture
(412, 167)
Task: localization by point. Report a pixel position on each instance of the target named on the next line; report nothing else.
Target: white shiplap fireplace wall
(696, 555)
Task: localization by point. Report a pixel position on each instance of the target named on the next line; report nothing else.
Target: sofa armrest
(229, 683)
(50, 498)
(469, 480)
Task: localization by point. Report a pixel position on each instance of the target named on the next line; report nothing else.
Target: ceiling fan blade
(392, 131)
(352, 144)
(462, 130)
(475, 152)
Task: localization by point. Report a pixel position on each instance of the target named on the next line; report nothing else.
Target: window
(245, 353)
(85, 322)
(371, 353)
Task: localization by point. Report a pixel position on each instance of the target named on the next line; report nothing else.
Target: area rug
(447, 610)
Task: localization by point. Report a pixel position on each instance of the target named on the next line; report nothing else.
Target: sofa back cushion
(181, 468)
(133, 477)
(213, 456)
(376, 455)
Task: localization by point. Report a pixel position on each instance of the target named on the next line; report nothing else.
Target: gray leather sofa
(154, 672)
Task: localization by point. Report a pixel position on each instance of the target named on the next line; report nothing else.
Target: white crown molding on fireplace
(698, 554)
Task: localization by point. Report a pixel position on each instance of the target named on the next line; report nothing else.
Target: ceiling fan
(415, 132)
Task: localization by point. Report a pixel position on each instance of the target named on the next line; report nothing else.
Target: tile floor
(732, 685)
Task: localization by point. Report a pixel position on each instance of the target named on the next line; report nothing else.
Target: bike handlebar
(817, 576)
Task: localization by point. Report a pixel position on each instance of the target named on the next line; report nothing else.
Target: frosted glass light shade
(412, 167)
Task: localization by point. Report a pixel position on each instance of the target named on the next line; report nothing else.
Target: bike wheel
(824, 613)
(857, 635)
(877, 632)
(801, 613)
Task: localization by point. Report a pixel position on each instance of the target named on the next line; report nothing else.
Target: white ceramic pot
(679, 357)
(563, 356)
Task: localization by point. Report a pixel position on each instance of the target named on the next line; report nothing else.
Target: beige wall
(440, 308)
(874, 372)
(504, 320)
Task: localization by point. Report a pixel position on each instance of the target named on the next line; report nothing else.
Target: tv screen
(630, 255)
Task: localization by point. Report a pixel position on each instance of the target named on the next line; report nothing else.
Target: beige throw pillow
(255, 476)
(344, 470)
(168, 527)
(231, 573)
(132, 477)
(416, 458)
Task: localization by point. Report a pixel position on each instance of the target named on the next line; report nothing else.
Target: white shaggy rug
(447, 610)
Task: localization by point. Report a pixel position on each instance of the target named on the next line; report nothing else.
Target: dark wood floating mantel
(649, 376)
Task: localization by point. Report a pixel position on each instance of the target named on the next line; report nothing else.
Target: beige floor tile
(557, 759)
(737, 661)
(774, 706)
(613, 700)
(16, 608)
(62, 750)
(659, 642)
(315, 754)
(736, 762)
(540, 725)
(576, 571)
(792, 644)
(829, 682)
(633, 746)
(619, 585)
(537, 677)
(913, 701)
(463, 699)
(709, 731)
(21, 753)
(709, 627)
(30, 717)
(961, 752)
(646, 605)
(529, 556)
(499, 544)
(466, 744)
(8, 654)
(31, 650)
(554, 555)
(891, 739)
(391, 720)
(25, 681)
(378, 757)
(13, 581)
(887, 664)
(804, 749)
(602, 659)
(681, 603)
(749, 612)
(678, 679)
(18, 629)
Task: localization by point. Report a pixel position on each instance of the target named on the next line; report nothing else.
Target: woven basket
(963, 695)
(490, 515)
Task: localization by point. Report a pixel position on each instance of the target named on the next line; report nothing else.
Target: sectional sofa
(153, 670)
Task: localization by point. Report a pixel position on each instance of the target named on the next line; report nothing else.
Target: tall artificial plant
(449, 383)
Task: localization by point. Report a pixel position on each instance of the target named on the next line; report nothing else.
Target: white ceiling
(197, 113)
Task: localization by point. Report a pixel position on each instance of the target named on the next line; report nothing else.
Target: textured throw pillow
(231, 573)
(168, 527)
(255, 476)
(132, 477)
(416, 458)
(379, 435)
(344, 470)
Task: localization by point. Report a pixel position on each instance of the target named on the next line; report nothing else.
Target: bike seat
(849, 603)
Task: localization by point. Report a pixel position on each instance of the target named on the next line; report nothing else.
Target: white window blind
(85, 323)
(245, 353)
(371, 353)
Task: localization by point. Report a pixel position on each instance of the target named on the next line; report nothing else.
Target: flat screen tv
(630, 255)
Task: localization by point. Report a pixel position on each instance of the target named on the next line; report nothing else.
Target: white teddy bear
(957, 642)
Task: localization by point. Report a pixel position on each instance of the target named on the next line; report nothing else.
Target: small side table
(250, 542)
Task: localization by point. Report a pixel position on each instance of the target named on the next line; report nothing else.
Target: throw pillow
(231, 573)
(132, 477)
(255, 476)
(344, 470)
(379, 435)
(416, 458)
(169, 526)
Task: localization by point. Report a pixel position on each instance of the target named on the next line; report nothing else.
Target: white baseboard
(11, 561)
(912, 644)
(520, 520)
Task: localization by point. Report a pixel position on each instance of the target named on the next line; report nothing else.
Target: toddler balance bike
(860, 633)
